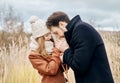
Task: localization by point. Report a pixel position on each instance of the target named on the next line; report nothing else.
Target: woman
(42, 57)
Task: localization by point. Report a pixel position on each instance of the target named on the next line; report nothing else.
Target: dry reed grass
(16, 68)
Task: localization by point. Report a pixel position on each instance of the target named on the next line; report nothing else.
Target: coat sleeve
(44, 66)
(79, 58)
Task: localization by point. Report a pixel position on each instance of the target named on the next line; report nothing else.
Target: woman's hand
(56, 52)
(34, 53)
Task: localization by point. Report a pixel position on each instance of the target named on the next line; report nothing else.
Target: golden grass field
(16, 68)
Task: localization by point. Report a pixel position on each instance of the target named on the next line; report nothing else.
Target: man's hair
(56, 17)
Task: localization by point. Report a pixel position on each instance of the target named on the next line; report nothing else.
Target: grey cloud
(104, 12)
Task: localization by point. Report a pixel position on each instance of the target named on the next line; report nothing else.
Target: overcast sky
(105, 13)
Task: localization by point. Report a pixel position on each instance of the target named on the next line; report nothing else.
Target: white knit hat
(33, 19)
(38, 27)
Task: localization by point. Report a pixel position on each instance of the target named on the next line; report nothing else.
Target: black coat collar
(72, 23)
(70, 27)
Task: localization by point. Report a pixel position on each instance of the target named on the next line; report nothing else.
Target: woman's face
(47, 36)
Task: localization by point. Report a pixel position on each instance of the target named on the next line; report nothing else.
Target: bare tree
(10, 19)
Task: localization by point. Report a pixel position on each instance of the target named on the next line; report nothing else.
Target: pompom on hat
(33, 19)
(39, 27)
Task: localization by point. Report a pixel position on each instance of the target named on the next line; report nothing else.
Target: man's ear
(61, 24)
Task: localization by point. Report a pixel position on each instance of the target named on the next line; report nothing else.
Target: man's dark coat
(86, 55)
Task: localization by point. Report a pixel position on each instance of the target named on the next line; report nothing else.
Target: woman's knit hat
(38, 27)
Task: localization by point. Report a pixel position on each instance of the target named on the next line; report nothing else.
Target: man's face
(60, 29)
(58, 32)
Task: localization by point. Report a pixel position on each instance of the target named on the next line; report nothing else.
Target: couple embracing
(61, 43)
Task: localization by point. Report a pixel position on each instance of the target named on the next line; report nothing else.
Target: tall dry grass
(112, 43)
(16, 68)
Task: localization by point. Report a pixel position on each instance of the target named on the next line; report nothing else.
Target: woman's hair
(41, 42)
(56, 17)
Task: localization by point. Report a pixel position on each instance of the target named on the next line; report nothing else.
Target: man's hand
(61, 45)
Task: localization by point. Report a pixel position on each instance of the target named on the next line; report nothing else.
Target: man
(86, 53)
